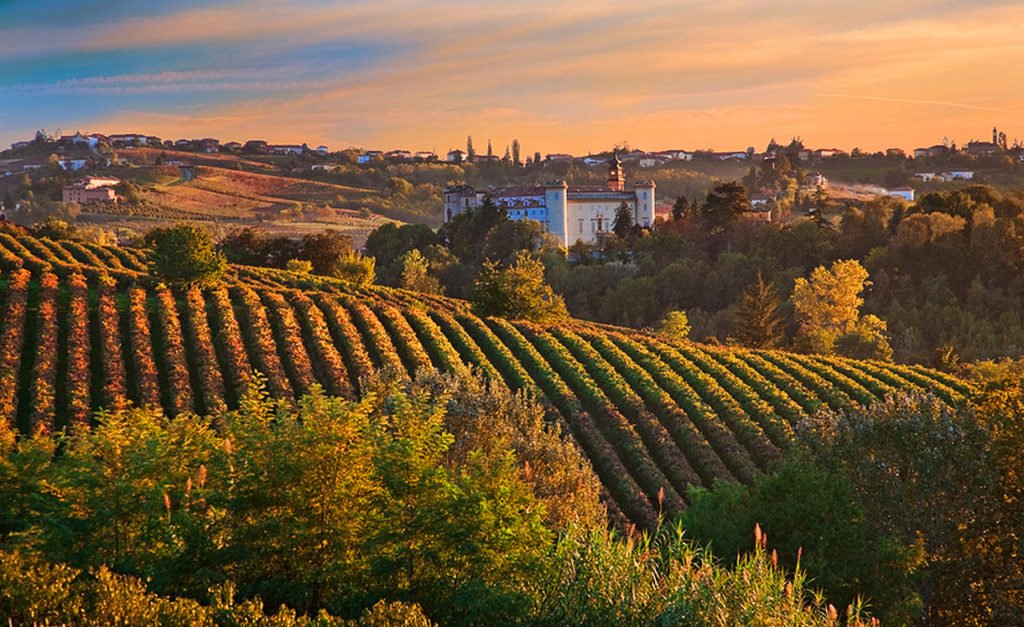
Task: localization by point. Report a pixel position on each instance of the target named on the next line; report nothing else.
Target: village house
(232, 146)
(677, 155)
(828, 153)
(285, 149)
(895, 152)
(938, 150)
(90, 189)
(209, 144)
(18, 145)
(256, 146)
(426, 155)
(399, 155)
(558, 156)
(983, 149)
(322, 150)
(906, 193)
(814, 180)
(369, 156)
(455, 156)
(130, 139)
(569, 213)
(71, 165)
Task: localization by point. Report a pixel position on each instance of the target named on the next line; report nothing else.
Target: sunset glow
(560, 76)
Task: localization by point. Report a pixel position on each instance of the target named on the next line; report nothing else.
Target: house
(983, 149)
(648, 162)
(71, 165)
(895, 152)
(569, 213)
(18, 145)
(285, 149)
(369, 156)
(594, 161)
(828, 153)
(730, 156)
(322, 150)
(183, 144)
(676, 155)
(906, 193)
(323, 167)
(399, 155)
(815, 180)
(77, 138)
(927, 177)
(256, 146)
(209, 144)
(455, 156)
(960, 175)
(938, 150)
(426, 155)
(558, 156)
(90, 189)
(232, 146)
(129, 139)
(759, 201)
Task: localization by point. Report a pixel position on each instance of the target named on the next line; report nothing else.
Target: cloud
(569, 75)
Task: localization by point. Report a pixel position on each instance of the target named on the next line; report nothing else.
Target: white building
(906, 193)
(570, 213)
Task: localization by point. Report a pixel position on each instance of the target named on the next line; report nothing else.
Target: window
(645, 196)
(581, 225)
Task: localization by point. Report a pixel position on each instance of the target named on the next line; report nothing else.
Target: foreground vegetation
(453, 502)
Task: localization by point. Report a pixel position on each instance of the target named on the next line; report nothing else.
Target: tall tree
(490, 150)
(516, 153)
(624, 220)
(416, 274)
(681, 208)
(724, 205)
(757, 321)
(828, 303)
(470, 151)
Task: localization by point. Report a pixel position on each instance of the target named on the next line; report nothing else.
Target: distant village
(100, 188)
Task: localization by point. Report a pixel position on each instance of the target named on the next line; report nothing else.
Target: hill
(82, 328)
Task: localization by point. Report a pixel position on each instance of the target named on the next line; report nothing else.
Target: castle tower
(644, 191)
(557, 202)
(616, 179)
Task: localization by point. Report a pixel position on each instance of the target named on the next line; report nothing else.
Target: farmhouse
(906, 193)
(90, 189)
(570, 213)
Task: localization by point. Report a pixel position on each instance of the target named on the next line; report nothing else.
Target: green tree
(828, 303)
(681, 208)
(723, 206)
(624, 221)
(518, 292)
(757, 322)
(867, 340)
(416, 274)
(185, 254)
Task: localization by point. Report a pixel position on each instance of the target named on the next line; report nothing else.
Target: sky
(573, 76)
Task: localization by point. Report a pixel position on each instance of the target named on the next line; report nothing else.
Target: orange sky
(560, 76)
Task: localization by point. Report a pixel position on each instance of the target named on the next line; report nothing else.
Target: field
(228, 198)
(82, 327)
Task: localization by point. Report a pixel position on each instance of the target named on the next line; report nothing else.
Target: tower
(644, 191)
(616, 179)
(995, 136)
(557, 203)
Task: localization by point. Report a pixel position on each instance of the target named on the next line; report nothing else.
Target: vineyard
(82, 327)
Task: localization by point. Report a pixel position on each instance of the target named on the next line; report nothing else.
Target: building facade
(571, 213)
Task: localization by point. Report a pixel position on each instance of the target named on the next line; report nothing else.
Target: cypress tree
(757, 322)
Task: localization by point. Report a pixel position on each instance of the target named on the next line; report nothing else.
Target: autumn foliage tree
(518, 292)
(185, 254)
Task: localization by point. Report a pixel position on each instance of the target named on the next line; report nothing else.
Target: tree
(325, 251)
(416, 274)
(516, 153)
(681, 208)
(185, 254)
(675, 326)
(518, 292)
(624, 220)
(490, 150)
(867, 340)
(828, 303)
(470, 151)
(724, 205)
(757, 322)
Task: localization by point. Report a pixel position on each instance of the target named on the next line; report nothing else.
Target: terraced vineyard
(82, 327)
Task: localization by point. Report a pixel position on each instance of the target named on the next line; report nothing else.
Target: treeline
(436, 500)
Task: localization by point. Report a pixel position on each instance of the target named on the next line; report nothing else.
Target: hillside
(82, 327)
